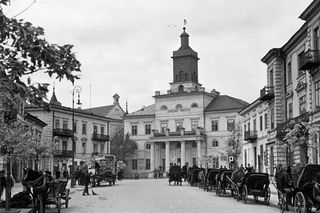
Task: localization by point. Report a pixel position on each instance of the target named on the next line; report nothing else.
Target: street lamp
(77, 90)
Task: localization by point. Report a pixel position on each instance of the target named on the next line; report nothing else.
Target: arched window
(180, 75)
(181, 88)
(178, 106)
(163, 107)
(186, 76)
(194, 105)
(215, 143)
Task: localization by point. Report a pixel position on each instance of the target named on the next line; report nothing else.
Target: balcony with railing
(63, 154)
(181, 132)
(267, 93)
(251, 136)
(62, 132)
(100, 137)
(309, 60)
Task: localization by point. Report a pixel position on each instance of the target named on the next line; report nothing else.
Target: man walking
(86, 183)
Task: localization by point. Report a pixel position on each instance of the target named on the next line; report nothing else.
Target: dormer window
(178, 106)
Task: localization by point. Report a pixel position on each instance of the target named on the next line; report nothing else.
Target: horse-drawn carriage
(235, 181)
(106, 175)
(175, 174)
(257, 185)
(222, 182)
(307, 189)
(46, 191)
(194, 179)
(210, 182)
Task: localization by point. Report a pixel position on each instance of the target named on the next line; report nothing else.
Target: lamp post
(78, 90)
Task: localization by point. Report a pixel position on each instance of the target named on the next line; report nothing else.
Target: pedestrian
(65, 174)
(58, 173)
(185, 171)
(86, 183)
(2, 183)
(160, 172)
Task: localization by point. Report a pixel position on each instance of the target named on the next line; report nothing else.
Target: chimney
(215, 92)
(116, 99)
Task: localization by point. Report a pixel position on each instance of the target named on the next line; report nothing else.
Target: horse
(37, 185)
(284, 184)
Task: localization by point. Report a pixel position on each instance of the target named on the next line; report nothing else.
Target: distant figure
(160, 172)
(58, 173)
(86, 183)
(249, 169)
(2, 183)
(185, 171)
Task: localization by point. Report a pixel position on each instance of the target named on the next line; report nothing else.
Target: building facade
(185, 124)
(293, 89)
(91, 134)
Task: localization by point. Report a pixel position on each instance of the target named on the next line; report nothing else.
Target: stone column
(152, 157)
(198, 151)
(183, 153)
(167, 156)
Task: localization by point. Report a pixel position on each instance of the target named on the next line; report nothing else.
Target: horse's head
(31, 175)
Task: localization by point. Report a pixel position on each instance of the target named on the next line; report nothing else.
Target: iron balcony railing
(100, 137)
(267, 93)
(64, 153)
(62, 132)
(309, 60)
(251, 135)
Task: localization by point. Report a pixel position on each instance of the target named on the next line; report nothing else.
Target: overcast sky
(125, 47)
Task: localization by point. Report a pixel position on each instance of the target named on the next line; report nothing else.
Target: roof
(146, 111)
(311, 10)
(225, 102)
(35, 119)
(102, 111)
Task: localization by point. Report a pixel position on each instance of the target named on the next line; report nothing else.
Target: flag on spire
(184, 22)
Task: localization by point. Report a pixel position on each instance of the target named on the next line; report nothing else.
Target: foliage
(122, 145)
(23, 52)
(299, 134)
(234, 144)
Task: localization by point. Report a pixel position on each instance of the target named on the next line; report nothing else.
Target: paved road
(139, 196)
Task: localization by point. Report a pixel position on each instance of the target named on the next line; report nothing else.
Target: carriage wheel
(219, 189)
(300, 203)
(267, 196)
(245, 194)
(67, 197)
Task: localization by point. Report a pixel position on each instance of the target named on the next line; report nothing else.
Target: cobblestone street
(157, 196)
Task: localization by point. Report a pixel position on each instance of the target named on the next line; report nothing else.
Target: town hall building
(185, 124)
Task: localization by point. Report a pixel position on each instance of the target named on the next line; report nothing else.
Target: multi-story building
(255, 135)
(185, 124)
(91, 132)
(293, 91)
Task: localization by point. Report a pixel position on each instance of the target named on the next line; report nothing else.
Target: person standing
(185, 171)
(86, 183)
(2, 183)
(58, 173)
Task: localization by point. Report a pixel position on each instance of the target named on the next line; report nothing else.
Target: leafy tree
(121, 145)
(234, 144)
(299, 134)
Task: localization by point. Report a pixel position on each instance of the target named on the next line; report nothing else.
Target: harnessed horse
(37, 185)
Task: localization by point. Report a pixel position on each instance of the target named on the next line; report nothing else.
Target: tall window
(230, 124)
(163, 126)
(245, 127)
(290, 111)
(57, 124)
(95, 147)
(271, 78)
(215, 162)
(134, 130)
(254, 125)
(102, 130)
(272, 117)
(65, 124)
(300, 72)
(194, 125)
(317, 88)
(249, 126)
(84, 128)
(75, 126)
(148, 129)
(102, 148)
(215, 143)
(261, 123)
(64, 145)
(179, 124)
(316, 39)
(134, 164)
(302, 104)
(147, 164)
(83, 148)
(289, 73)
(266, 121)
(95, 129)
(214, 125)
